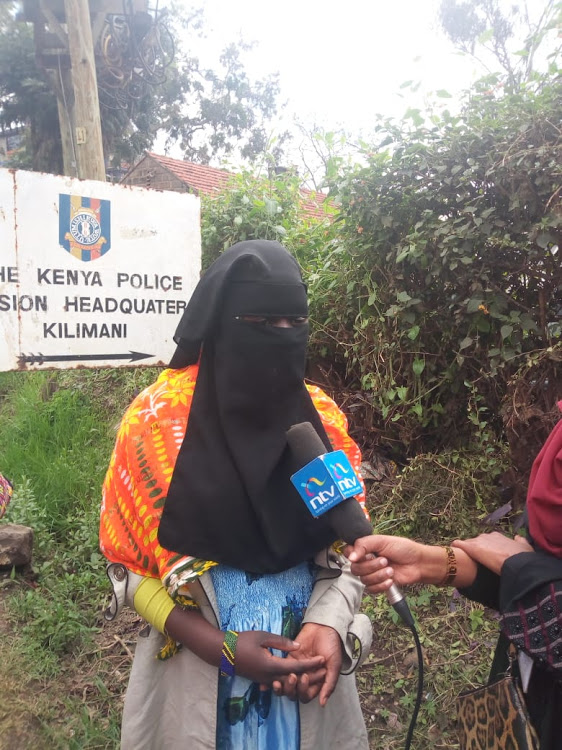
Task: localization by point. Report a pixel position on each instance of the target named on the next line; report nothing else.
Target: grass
(64, 670)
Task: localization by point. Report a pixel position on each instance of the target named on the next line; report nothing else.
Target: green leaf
(443, 94)
(474, 304)
(508, 353)
(544, 239)
(483, 325)
(271, 207)
(486, 36)
(417, 409)
(466, 342)
(418, 366)
(368, 381)
(392, 311)
(414, 115)
(527, 323)
(413, 333)
(403, 297)
(506, 331)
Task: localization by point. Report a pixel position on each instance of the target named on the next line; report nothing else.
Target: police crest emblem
(84, 226)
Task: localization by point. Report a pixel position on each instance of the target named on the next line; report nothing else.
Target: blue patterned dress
(247, 717)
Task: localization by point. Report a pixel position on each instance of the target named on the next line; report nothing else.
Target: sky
(342, 63)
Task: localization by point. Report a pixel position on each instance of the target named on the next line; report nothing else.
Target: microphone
(328, 484)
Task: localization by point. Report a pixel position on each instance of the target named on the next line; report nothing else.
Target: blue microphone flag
(326, 481)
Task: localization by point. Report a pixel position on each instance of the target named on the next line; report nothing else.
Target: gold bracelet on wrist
(451, 573)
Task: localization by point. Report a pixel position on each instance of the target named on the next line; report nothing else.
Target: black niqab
(230, 499)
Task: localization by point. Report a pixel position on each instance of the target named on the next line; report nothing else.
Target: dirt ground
(18, 724)
(28, 705)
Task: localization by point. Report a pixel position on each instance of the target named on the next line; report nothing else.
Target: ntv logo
(326, 481)
(345, 483)
(324, 496)
(342, 478)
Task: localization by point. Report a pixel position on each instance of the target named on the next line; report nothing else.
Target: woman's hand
(371, 557)
(493, 549)
(254, 660)
(404, 562)
(315, 640)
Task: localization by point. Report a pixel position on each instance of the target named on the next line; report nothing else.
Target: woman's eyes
(299, 321)
(262, 320)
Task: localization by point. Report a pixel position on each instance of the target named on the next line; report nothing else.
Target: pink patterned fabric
(6, 490)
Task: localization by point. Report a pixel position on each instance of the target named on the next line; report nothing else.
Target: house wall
(150, 174)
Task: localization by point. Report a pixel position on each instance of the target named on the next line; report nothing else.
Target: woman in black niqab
(230, 498)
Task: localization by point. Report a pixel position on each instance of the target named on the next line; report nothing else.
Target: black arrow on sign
(40, 359)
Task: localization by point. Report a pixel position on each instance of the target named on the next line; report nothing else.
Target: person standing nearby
(520, 578)
(212, 545)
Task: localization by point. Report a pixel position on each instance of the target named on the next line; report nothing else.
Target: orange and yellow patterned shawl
(141, 467)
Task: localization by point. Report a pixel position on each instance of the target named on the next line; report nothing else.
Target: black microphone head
(348, 521)
(305, 443)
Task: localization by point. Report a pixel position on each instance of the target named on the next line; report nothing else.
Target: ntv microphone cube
(326, 481)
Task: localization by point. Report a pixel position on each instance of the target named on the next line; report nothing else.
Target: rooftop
(207, 180)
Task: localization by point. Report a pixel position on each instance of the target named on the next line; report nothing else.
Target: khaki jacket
(172, 704)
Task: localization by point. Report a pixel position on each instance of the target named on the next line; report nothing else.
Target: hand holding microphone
(328, 484)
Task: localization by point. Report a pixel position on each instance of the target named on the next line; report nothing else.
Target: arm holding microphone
(337, 501)
(381, 561)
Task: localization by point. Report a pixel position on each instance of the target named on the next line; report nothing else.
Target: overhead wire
(134, 51)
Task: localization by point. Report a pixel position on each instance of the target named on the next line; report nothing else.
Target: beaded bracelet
(451, 573)
(228, 653)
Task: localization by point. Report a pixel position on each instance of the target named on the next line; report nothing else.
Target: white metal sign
(92, 274)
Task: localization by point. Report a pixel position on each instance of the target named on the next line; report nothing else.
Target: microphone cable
(419, 695)
(400, 606)
(348, 521)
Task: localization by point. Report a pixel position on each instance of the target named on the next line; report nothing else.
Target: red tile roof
(207, 180)
(198, 176)
(316, 204)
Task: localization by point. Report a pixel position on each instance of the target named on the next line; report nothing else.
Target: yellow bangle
(451, 561)
(153, 603)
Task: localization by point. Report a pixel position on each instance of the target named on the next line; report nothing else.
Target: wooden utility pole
(66, 33)
(87, 126)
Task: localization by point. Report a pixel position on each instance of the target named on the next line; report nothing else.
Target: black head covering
(230, 499)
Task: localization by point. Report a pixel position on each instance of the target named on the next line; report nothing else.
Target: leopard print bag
(495, 717)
